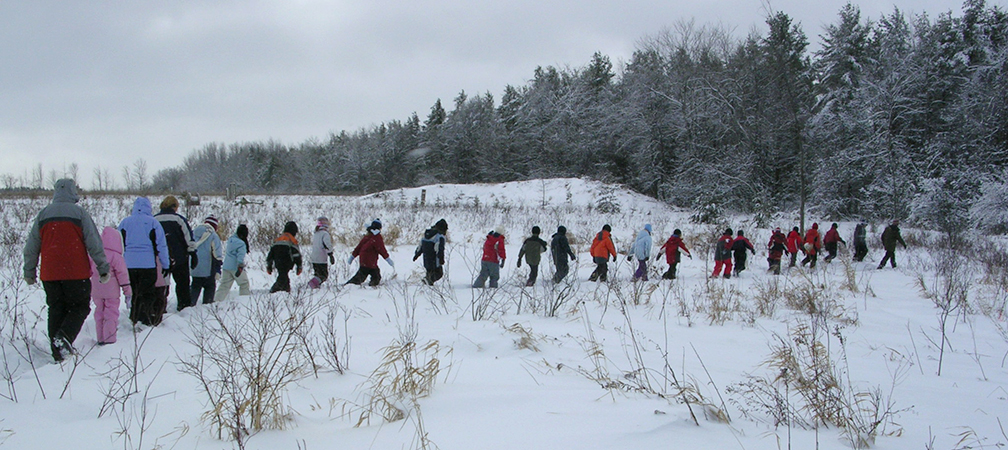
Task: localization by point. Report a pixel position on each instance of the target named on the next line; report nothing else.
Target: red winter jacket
(777, 245)
(369, 248)
(812, 237)
(832, 236)
(672, 246)
(794, 241)
(493, 248)
(63, 236)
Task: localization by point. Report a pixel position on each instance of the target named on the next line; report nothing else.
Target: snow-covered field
(694, 363)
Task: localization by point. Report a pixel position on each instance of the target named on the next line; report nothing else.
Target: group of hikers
(139, 258)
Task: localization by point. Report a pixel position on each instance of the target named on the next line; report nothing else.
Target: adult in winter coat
(63, 236)
(602, 248)
(830, 241)
(322, 252)
(794, 245)
(178, 236)
(739, 247)
(672, 253)
(860, 242)
(370, 247)
(813, 243)
(776, 249)
(560, 250)
(641, 251)
(532, 249)
(233, 267)
(284, 254)
(209, 256)
(493, 258)
(105, 296)
(143, 243)
(890, 237)
(723, 254)
(432, 248)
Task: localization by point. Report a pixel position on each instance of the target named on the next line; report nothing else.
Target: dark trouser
(740, 260)
(282, 282)
(562, 269)
(601, 272)
(774, 264)
(533, 275)
(860, 251)
(208, 285)
(794, 258)
(69, 304)
(671, 272)
(321, 271)
(831, 250)
(641, 272)
(810, 259)
(363, 273)
(433, 274)
(180, 274)
(148, 308)
(890, 255)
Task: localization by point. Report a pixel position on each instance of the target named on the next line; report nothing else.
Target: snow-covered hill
(573, 365)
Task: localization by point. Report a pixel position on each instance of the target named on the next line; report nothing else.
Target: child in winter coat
(209, 254)
(493, 259)
(370, 247)
(723, 254)
(560, 250)
(284, 254)
(890, 236)
(672, 253)
(794, 245)
(105, 296)
(532, 249)
(233, 268)
(641, 250)
(432, 248)
(830, 241)
(322, 253)
(602, 249)
(739, 247)
(776, 248)
(813, 242)
(860, 242)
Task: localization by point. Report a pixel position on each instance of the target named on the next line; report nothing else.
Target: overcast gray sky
(107, 82)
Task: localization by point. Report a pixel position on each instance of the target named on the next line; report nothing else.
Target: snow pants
(180, 274)
(363, 273)
(148, 306)
(810, 259)
(228, 278)
(722, 263)
(890, 255)
(533, 275)
(831, 251)
(489, 270)
(69, 303)
(740, 261)
(601, 272)
(641, 272)
(206, 284)
(562, 269)
(860, 250)
(433, 274)
(106, 318)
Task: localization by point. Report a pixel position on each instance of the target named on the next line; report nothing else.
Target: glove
(103, 278)
(332, 259)
(193, 260)
(165, 273)
(350, 260)
(242, 269)
(657, 257)
(629, 257)
(29, 280)
(519, 262)
(269, 271)
(415, 256)
(753, 252)
(690, 255)
(614, 258)
(129, 301)
(390, 263)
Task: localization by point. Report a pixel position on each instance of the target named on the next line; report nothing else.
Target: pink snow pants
(106, 317)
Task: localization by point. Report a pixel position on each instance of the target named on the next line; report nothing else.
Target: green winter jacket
(890, 236)
(532, 249)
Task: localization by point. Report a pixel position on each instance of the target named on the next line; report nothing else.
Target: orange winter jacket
(602, 246)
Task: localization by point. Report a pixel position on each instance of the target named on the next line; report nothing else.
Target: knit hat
(322, 223)
(606, 227)
(212, 221)
(499, 230)
(169, 202)
(677, 232)
(740, 233)
(375, 224)
(536, 230)
(291, 227)
(728, 232)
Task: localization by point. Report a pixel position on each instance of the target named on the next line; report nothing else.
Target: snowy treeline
(890, 112)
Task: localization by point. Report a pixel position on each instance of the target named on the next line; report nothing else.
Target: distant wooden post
(423, 197)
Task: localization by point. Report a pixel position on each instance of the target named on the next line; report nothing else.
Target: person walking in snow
(492, 260)
(739, 247)
(641, 251)
(830, 241)
(178, 236)
(560, 249)
(532, 249)
(602, 248)
(284, 254)
(890, 237)
(813, 243)
(432, 248)
(860, 242)
(370, 247)
(144, 248)
(776, 249)
(322, 253)
(105, 296)
(209, 256)
(63, 236)
(672, 253)
(723, 254)
(794, 245)
(233, 267)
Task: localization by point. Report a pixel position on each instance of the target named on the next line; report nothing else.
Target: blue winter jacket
(142, 234)
(208, 252)
(234, 253)
(642, 246)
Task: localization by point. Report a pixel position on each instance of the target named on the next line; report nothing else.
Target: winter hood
(65, 191)
(112, 240)
(142, 206)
